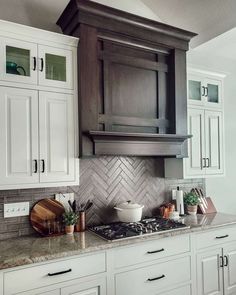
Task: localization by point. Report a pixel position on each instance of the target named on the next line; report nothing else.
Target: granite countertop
(33, 249)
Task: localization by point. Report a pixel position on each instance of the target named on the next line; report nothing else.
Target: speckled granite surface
(33, 249)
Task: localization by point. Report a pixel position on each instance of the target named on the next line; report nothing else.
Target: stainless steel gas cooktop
(148, 226)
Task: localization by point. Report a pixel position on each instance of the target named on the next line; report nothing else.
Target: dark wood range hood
(132, 82)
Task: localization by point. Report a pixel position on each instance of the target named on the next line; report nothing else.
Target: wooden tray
(46, 217)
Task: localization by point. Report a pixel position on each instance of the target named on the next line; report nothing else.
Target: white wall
(223, 189)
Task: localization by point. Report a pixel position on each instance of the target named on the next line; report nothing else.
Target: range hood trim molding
(143, 144)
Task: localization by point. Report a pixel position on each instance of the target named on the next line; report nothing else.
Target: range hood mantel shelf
(145, 144)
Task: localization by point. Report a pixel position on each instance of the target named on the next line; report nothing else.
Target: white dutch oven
(129, 212)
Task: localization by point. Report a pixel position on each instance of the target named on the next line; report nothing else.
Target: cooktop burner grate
(147, 226)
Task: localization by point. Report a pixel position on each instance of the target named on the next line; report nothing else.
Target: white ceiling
(223, 46)
(208, 18)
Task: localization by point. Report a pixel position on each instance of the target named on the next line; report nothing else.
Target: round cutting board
(45, 214)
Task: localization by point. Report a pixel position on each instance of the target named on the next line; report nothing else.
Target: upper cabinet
(38, 108)
(18, 61)
(204, 89)
(55, 67)
(206, 125)
(38, 62)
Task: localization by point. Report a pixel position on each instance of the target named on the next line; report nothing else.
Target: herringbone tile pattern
(106, 181)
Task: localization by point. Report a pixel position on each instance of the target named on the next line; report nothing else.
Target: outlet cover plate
(16, 209)
(64, 198)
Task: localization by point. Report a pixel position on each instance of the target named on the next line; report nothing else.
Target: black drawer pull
(221, 261)
(156, 251)
(226, 260)
(155, 279)
(42, 64)
(59, 273)
(34, 68)
(222, 237)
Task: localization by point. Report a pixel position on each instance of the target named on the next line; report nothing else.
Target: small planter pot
(192, 210)
(69, 229)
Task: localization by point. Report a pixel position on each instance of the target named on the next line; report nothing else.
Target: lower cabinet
(94, 287)
(159, 276)
(210, 272)
(190, 264)
(216, 270)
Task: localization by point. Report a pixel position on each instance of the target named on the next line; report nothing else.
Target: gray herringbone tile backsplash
(106, 181)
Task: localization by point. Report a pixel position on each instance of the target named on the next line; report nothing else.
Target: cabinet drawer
(151, 250)
(186, 290)
(38, 276)
(149, 280)
(215, 237)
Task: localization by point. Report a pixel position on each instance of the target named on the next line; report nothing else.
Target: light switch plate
(16, 209)
(64, 198)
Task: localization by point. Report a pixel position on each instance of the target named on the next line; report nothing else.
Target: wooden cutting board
(46, 217)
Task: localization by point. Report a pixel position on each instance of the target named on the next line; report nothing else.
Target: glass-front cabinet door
(18, 61)
(213, 93)
(204, 91)
(55, 67)
(195, 90)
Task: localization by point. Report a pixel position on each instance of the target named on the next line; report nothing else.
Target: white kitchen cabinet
(213, 143)
(230, 269)
(56, 133)
(18, 62)
(206, 125)
(216, 270)
(50, 275)
(36, 57)
(216, 261)
(37, 138)
(55, 67)
(204, 89)
(210, 272)
(149, 280)
(194, 164)
(38, 108)
(205, 148)
(18, 136)
(95, 287)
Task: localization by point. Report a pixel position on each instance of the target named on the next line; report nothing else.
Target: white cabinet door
(186, 290)
(57, 138)
(230, 269)
(196, 90)
(55, 67)
(209, 272)
(213, 93)
(214, 143)
(40, 292)
(18, 61)
(95, 287)
(196, 144)
(18, 136)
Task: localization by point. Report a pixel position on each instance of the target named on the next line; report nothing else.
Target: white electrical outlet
(64, 198)
(16, 209)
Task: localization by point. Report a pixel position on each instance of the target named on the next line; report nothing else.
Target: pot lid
(129, 205)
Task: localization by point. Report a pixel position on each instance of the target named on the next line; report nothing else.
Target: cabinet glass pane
(194, 90)
(213, 93)
(17, 61)
(55, 67)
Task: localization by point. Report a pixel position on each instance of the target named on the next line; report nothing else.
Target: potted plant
(70, 219)
(191, 201)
